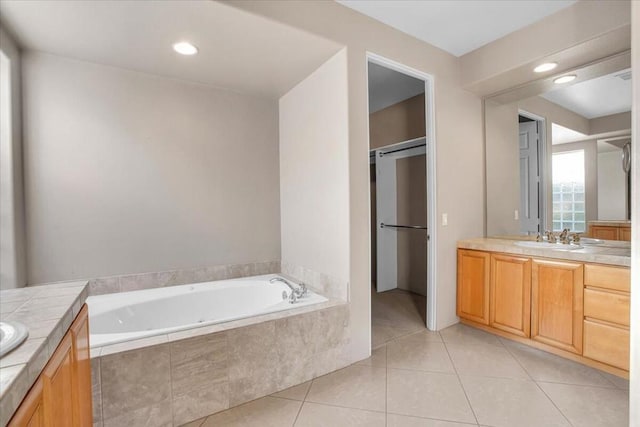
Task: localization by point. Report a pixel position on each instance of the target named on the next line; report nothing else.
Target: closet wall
(401, 122)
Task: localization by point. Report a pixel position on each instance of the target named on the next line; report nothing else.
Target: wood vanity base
(550, 349)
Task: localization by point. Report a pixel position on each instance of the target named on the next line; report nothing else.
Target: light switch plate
(445, 219)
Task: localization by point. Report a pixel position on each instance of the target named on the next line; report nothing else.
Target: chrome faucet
(299, 292)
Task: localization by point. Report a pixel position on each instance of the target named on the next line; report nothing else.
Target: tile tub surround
(135, 282)
(178, 378)
(612, 253)
(47, 312)
(319, 282)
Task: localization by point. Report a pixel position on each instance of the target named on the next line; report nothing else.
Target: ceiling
(388, 87)
(268, 60)
(457, 27)
(602, 96)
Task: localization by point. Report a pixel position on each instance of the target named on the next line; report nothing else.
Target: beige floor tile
(485, 360)
(588, 406)
(297, 392)
(265, 412)
(414, 352)
(621, 383)
(317, 415)
(543, 366)
(196, 423)
(383, 333)
(378, 358)
(357, 386)
(394, 420)
(506, 402)
(427, 394)
(463, 334)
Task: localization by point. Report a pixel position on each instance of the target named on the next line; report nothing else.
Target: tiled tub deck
(176, 378)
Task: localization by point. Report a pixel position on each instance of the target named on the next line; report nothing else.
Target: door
(31, 412)
(58, 385)
(557, 304)
(387, 227)
(529, 178)
(510, 293)
(473, 285)
(82, 410)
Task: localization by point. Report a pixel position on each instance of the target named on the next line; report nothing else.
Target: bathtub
(126, 316)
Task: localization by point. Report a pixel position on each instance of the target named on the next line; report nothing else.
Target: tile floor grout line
(460, 382)
(344, 407)
(536, 383)
(434, 419)
(304, 399)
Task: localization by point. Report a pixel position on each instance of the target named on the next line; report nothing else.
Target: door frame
(430, 122)
(544, 166)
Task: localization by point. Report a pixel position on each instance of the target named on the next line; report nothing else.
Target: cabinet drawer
(606, 306)
(606, 344)
(600, 276)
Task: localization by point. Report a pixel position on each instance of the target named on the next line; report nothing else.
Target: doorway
(401, 156)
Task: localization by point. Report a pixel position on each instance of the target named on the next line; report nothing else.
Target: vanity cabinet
(473, 286)
(609, 232)
(573, 309)
(61, 396)
(510, 294)
(606, 314)
(557, 304)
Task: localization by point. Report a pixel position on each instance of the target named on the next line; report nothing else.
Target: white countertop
(47, 312)
(612, 252)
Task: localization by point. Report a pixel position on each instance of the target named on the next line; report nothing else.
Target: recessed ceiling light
(565, 79)
(547, 66)
(185, 48)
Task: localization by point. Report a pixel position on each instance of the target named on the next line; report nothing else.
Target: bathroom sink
(591, 241)
(546, 245)
(12, 334)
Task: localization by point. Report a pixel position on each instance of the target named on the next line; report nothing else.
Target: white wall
(12, 228)
(314, 173)
(128, 172)
(612, 186)
(634, 372)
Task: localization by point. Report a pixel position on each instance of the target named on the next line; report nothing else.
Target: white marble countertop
(47, 312)
(611, 223)
(611, 252)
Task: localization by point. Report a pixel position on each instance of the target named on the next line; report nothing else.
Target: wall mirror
(557, 152)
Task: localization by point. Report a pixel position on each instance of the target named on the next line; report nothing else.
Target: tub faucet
(296, 293)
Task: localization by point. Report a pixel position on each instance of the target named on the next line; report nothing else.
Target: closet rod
(411, 227)
(402, 149)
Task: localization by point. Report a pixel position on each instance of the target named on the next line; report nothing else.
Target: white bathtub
(127, 316)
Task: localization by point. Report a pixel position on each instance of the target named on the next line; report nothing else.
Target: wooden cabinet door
(604, 232)
(557, 304)
(58, 383)
(624, 233)
(473, 285)
(82, 405)
(510, 294)
(31, 410)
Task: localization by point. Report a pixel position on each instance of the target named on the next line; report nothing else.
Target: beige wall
(503, 170)
(459, 146)
(173, 175)
(13, 263)
(614, 122)
(399, 122)
(612, 186)
(411, 192)
(314, 174)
